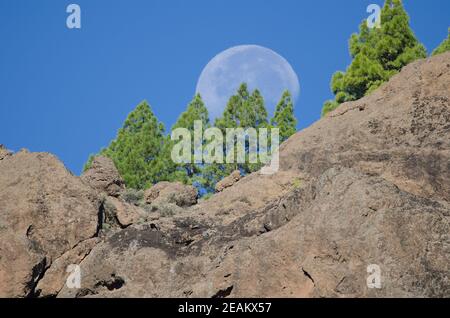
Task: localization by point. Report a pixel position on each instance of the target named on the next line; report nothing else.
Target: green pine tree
(235, 115)
(257, 111)
(137, 149)
(196, 111)
(243, 110)
(444, 46)
(284, 117)
(377, 54)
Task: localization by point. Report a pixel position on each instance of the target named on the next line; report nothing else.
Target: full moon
(259, 67)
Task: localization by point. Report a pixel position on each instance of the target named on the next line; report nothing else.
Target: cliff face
(367, 185)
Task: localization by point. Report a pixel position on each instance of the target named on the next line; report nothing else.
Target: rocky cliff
(367, 185)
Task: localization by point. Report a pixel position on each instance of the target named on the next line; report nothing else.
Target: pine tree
(196, 111)
(377, 54)
(236, 113)
(137, 149)
(284, 117)
(444, 46)
(257, 110)
(243, 110)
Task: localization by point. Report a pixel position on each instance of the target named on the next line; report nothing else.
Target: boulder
(172, 192)
(104, 176)
(117, 210)
(45, 212)
(229, 181)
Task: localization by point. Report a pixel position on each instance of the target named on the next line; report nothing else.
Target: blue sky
(68, 91)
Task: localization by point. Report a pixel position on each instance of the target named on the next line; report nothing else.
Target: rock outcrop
(172, 192)
(45, 212)
(104, 176)
(366, 187)
(123, 213)
(56, 276)
(229, 181)
(317, 242)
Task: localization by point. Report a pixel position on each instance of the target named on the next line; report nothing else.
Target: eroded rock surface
(104, 176)
(45, 212)
(172, 192)
(367, 185)
(316, 242)
(56, 276)
(122, 212)
(229, 181)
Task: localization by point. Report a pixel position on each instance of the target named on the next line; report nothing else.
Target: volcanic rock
(104, 176)
(172, 192)
(45, 212)
(229, 181)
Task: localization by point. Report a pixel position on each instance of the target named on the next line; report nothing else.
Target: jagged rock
(20, 265)
(104, 176)
(321, 252)
(122, 212)
(368, 185)
(172, 192)
(56, 276)
(4, 152)
(399, 132)
(229, 181)
(45, 211)
(244, 197)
